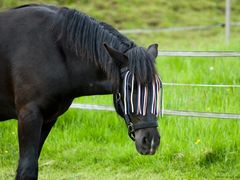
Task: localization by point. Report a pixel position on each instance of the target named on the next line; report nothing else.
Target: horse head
(137, 95)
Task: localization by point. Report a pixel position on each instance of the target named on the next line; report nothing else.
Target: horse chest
(52, 111)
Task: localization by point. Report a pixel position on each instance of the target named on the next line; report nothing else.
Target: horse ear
(153, 50)
(119, 58)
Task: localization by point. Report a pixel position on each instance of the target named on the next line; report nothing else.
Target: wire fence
(165, 112)
(171, 29)
(199, 53)
(204, 85)
(184, 54)
(183, 112)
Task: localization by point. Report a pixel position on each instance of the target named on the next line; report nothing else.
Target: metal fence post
(227, 21)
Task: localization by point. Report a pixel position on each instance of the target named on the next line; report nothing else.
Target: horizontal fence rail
(170, 29)
(181, 112)
(204, 85)
(200, 53)
(165, 112)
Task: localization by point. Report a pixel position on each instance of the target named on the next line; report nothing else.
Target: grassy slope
(94, 145)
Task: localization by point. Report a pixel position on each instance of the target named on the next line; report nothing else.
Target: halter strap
(133, 127)
(143, 92)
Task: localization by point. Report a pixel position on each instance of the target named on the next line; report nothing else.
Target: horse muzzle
(147, 141)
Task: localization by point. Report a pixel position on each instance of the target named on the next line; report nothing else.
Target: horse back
(21, 24)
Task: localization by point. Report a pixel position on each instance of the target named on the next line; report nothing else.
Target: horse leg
(29, 129)
(46, 128)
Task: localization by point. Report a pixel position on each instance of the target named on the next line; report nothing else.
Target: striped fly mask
(139, 104)
(138, 96)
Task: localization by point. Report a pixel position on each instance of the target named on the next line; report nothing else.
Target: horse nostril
(145, 141)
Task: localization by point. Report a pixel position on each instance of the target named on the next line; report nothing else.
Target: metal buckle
(131, 131)
(118, 96)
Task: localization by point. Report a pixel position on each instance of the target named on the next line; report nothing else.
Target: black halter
(131, 127)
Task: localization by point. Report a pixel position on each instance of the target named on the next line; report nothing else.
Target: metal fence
(178, 112)
(165, 112)
(199, 53)
(171, 29)
(225, 25)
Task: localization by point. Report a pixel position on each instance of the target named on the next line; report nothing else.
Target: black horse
(50, 55)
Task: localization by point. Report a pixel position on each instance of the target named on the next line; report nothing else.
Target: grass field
(94, 145)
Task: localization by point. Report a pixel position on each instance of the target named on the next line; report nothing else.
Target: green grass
(86, 145)
(94, 145)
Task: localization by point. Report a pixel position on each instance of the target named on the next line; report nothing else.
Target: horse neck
(86, 77)
(85, 36)
(87, 48)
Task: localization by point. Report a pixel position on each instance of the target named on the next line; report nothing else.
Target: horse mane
(85, 36)
(142, 65)
(25, 5)
(49, 7)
